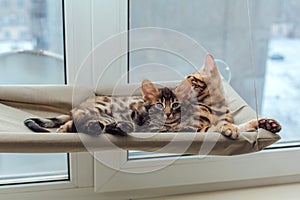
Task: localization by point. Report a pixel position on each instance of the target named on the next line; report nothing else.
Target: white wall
(280, 192)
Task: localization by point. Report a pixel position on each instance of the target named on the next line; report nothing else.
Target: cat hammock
(18, 103)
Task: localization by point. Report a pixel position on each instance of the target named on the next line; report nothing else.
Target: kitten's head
(162, 103)
(202, 85)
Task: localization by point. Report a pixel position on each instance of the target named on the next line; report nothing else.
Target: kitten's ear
(210, 66)
(183, 90)
(149, 90)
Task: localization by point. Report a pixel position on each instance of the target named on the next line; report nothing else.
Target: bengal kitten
(205, 108)
(156, 111)
(163, 107)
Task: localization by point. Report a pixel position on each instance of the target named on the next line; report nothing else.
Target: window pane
(220, 27)
(32, 52)
(262, 46)
(27, 168)
(31, 42)
(282, 84)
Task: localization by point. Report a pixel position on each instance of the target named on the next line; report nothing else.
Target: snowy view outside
(282, 85)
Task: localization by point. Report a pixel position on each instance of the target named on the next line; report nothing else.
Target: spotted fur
(116, 115)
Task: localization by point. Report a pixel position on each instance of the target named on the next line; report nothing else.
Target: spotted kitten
(156, 111)
(163, 108)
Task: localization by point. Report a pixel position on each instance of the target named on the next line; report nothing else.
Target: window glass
(31, 42)
(32, 52)
(258, 40)
(28, 168)
(282, 69)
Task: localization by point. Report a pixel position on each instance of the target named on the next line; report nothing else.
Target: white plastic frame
(86, 25)
(81, 164)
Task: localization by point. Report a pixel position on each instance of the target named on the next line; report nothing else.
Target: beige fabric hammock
(20, 102)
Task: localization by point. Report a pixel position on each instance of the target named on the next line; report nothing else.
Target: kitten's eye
(159, 105)
(175, 105)
(195, 86)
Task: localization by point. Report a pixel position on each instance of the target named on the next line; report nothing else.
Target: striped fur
(205, 108)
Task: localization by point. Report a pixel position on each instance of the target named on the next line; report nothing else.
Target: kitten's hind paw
(269, 124)
(36, 125)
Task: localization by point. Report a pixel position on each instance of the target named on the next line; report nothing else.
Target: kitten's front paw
(188, 129)
(269, 124)
(126, 127)
(119, 128)
(231, 131)
(95, 128)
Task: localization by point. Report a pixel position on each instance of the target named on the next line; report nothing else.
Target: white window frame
(80, 38)
(188, 174)
(80, 164)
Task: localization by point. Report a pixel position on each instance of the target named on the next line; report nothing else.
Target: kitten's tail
(40, 124)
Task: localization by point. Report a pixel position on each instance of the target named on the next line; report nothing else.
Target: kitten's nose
(168, 114)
